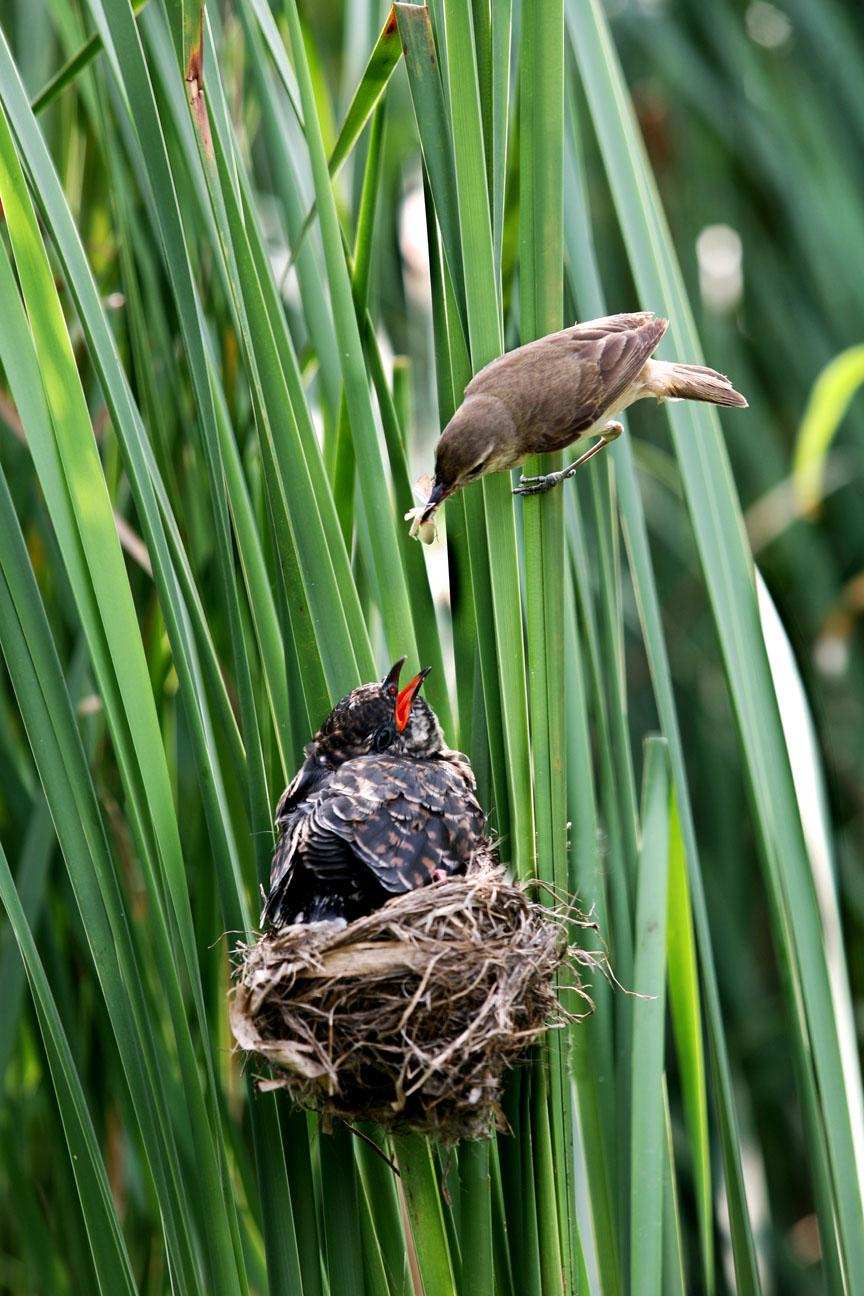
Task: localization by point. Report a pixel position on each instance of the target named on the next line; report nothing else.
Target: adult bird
(562, 388)
(380, 806)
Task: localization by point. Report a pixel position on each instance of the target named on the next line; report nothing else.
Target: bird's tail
(670, 381)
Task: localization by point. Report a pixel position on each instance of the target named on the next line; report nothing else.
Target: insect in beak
(435, 497)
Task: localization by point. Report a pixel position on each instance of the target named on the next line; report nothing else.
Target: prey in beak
(430, 494)
(405, 698)
(436, 495)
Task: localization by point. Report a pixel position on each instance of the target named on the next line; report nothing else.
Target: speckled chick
(380, 806)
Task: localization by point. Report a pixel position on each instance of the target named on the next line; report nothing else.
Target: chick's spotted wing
(400, 819)
(306, 849)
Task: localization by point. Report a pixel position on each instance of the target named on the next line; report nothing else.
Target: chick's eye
(382, 738)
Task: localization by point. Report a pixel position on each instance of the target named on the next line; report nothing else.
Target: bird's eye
(382, 738)
(391, 690)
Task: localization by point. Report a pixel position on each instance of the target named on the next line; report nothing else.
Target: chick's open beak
(405, 698)
(391, 679)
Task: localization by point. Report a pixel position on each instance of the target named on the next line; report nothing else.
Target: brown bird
(566, 386)
(380, 806)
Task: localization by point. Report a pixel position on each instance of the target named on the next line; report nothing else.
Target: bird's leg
(535, 485)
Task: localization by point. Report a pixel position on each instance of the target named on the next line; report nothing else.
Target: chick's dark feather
(378, 825)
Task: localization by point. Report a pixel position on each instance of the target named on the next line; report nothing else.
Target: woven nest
(411, 1016)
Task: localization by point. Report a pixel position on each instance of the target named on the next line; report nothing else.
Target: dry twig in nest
(410, 1016)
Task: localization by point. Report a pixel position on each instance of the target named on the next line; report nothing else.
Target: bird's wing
(282, 869)
(401, 819)
(308, 777)
(305, 847)
(619, 345)
(563, 384)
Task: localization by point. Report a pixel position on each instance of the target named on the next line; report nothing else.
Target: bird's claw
(535, 485)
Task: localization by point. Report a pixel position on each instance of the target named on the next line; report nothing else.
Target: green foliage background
(221, 225)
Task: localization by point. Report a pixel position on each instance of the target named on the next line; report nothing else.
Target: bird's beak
(436, 495)
(405, 698)
(392, 676)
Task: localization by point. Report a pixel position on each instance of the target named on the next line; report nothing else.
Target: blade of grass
(31, 883)
(79, 276)
(71, 463)
(502, 19)
(287, 186)
(395, 421)
(686, 1013)
(313, 560)
(673, 1254)
(343, 1238)
(608, 698)
(591, 1040)
(829, 400)
(107, 1246)
(124, 39)
(423, 1203)
(475, 1234)
(381, 1187)
(72, 68)
(265, 619)
(541, 291)
(422, 606)
(649, 981)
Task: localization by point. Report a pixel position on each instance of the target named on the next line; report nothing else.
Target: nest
(411, 1015)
